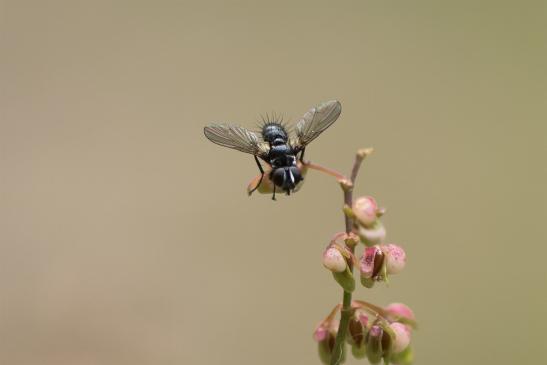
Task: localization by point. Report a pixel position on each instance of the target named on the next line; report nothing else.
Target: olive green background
(127, 238)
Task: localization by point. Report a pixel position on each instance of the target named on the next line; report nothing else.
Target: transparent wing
(235, 137)
(316, 120)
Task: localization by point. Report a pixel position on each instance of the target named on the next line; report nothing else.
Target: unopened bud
(334, 260)
(402, 336)
(365, 210)
(362, 316)
(321, 333)
(378, 344)
(373, 235)
(400, 310)
(395, 258)
(371, 265)
(357, 328)
(325, 335)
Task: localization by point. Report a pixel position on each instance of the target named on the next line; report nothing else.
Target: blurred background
(126, 237)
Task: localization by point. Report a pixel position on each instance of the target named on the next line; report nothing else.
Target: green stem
(347, 186)
(342, 329)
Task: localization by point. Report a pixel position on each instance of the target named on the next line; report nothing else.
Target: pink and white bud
(357, 327)
(395, 258)
(334, 260)
(400, 310)
(376, 340)
(402, 336)
(325, 335)
(371, 262)
(362, 316)
(374, 235)
(320, 333)
(365, 210)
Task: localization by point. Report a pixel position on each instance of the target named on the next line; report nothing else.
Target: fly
(275, 146)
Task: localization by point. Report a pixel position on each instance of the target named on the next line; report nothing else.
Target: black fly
(274, 145)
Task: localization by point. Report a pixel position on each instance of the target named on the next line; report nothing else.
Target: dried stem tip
(364, 152)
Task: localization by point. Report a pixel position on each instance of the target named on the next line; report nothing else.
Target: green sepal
(367, 282)
(345, 279)
(359, 352)
(405, 357)
(324, 352)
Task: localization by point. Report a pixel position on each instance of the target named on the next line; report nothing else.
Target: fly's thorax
(279, 151)
(274, 133)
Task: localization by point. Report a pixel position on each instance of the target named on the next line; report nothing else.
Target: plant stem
(325, 170)
(347, 186)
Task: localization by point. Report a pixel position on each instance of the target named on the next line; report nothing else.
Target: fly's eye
(278, 177)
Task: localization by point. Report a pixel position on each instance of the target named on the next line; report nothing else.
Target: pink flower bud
(334, 260)
(370, 265)
(326, 336)
(362, 316)
(377, 342)
(402, 336)
(320, 333)
(400, 310)
(356, 332)
(396, 258)
(365, 210)
(373, 235)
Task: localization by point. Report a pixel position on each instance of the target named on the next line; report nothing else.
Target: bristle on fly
(272, 118)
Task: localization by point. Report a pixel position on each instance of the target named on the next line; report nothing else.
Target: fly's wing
(315, 121)
(235, 137)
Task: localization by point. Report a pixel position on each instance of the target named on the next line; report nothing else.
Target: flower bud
(325, 335)
(370, 266)
(357, 328)
(337, 259)
(321, 333)
(400, 310)
(395, 258)
(373, 235)
(402, 337)
(365, 210)
(378, 344)
(334, 260)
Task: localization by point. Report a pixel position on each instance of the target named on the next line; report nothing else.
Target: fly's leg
(261, 175)
(302, 155)
(273, 196)
(302, 160)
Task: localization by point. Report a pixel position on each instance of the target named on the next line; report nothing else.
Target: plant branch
(347, 187)
(325, 170)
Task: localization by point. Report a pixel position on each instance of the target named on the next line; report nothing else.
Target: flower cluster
(372, 332)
